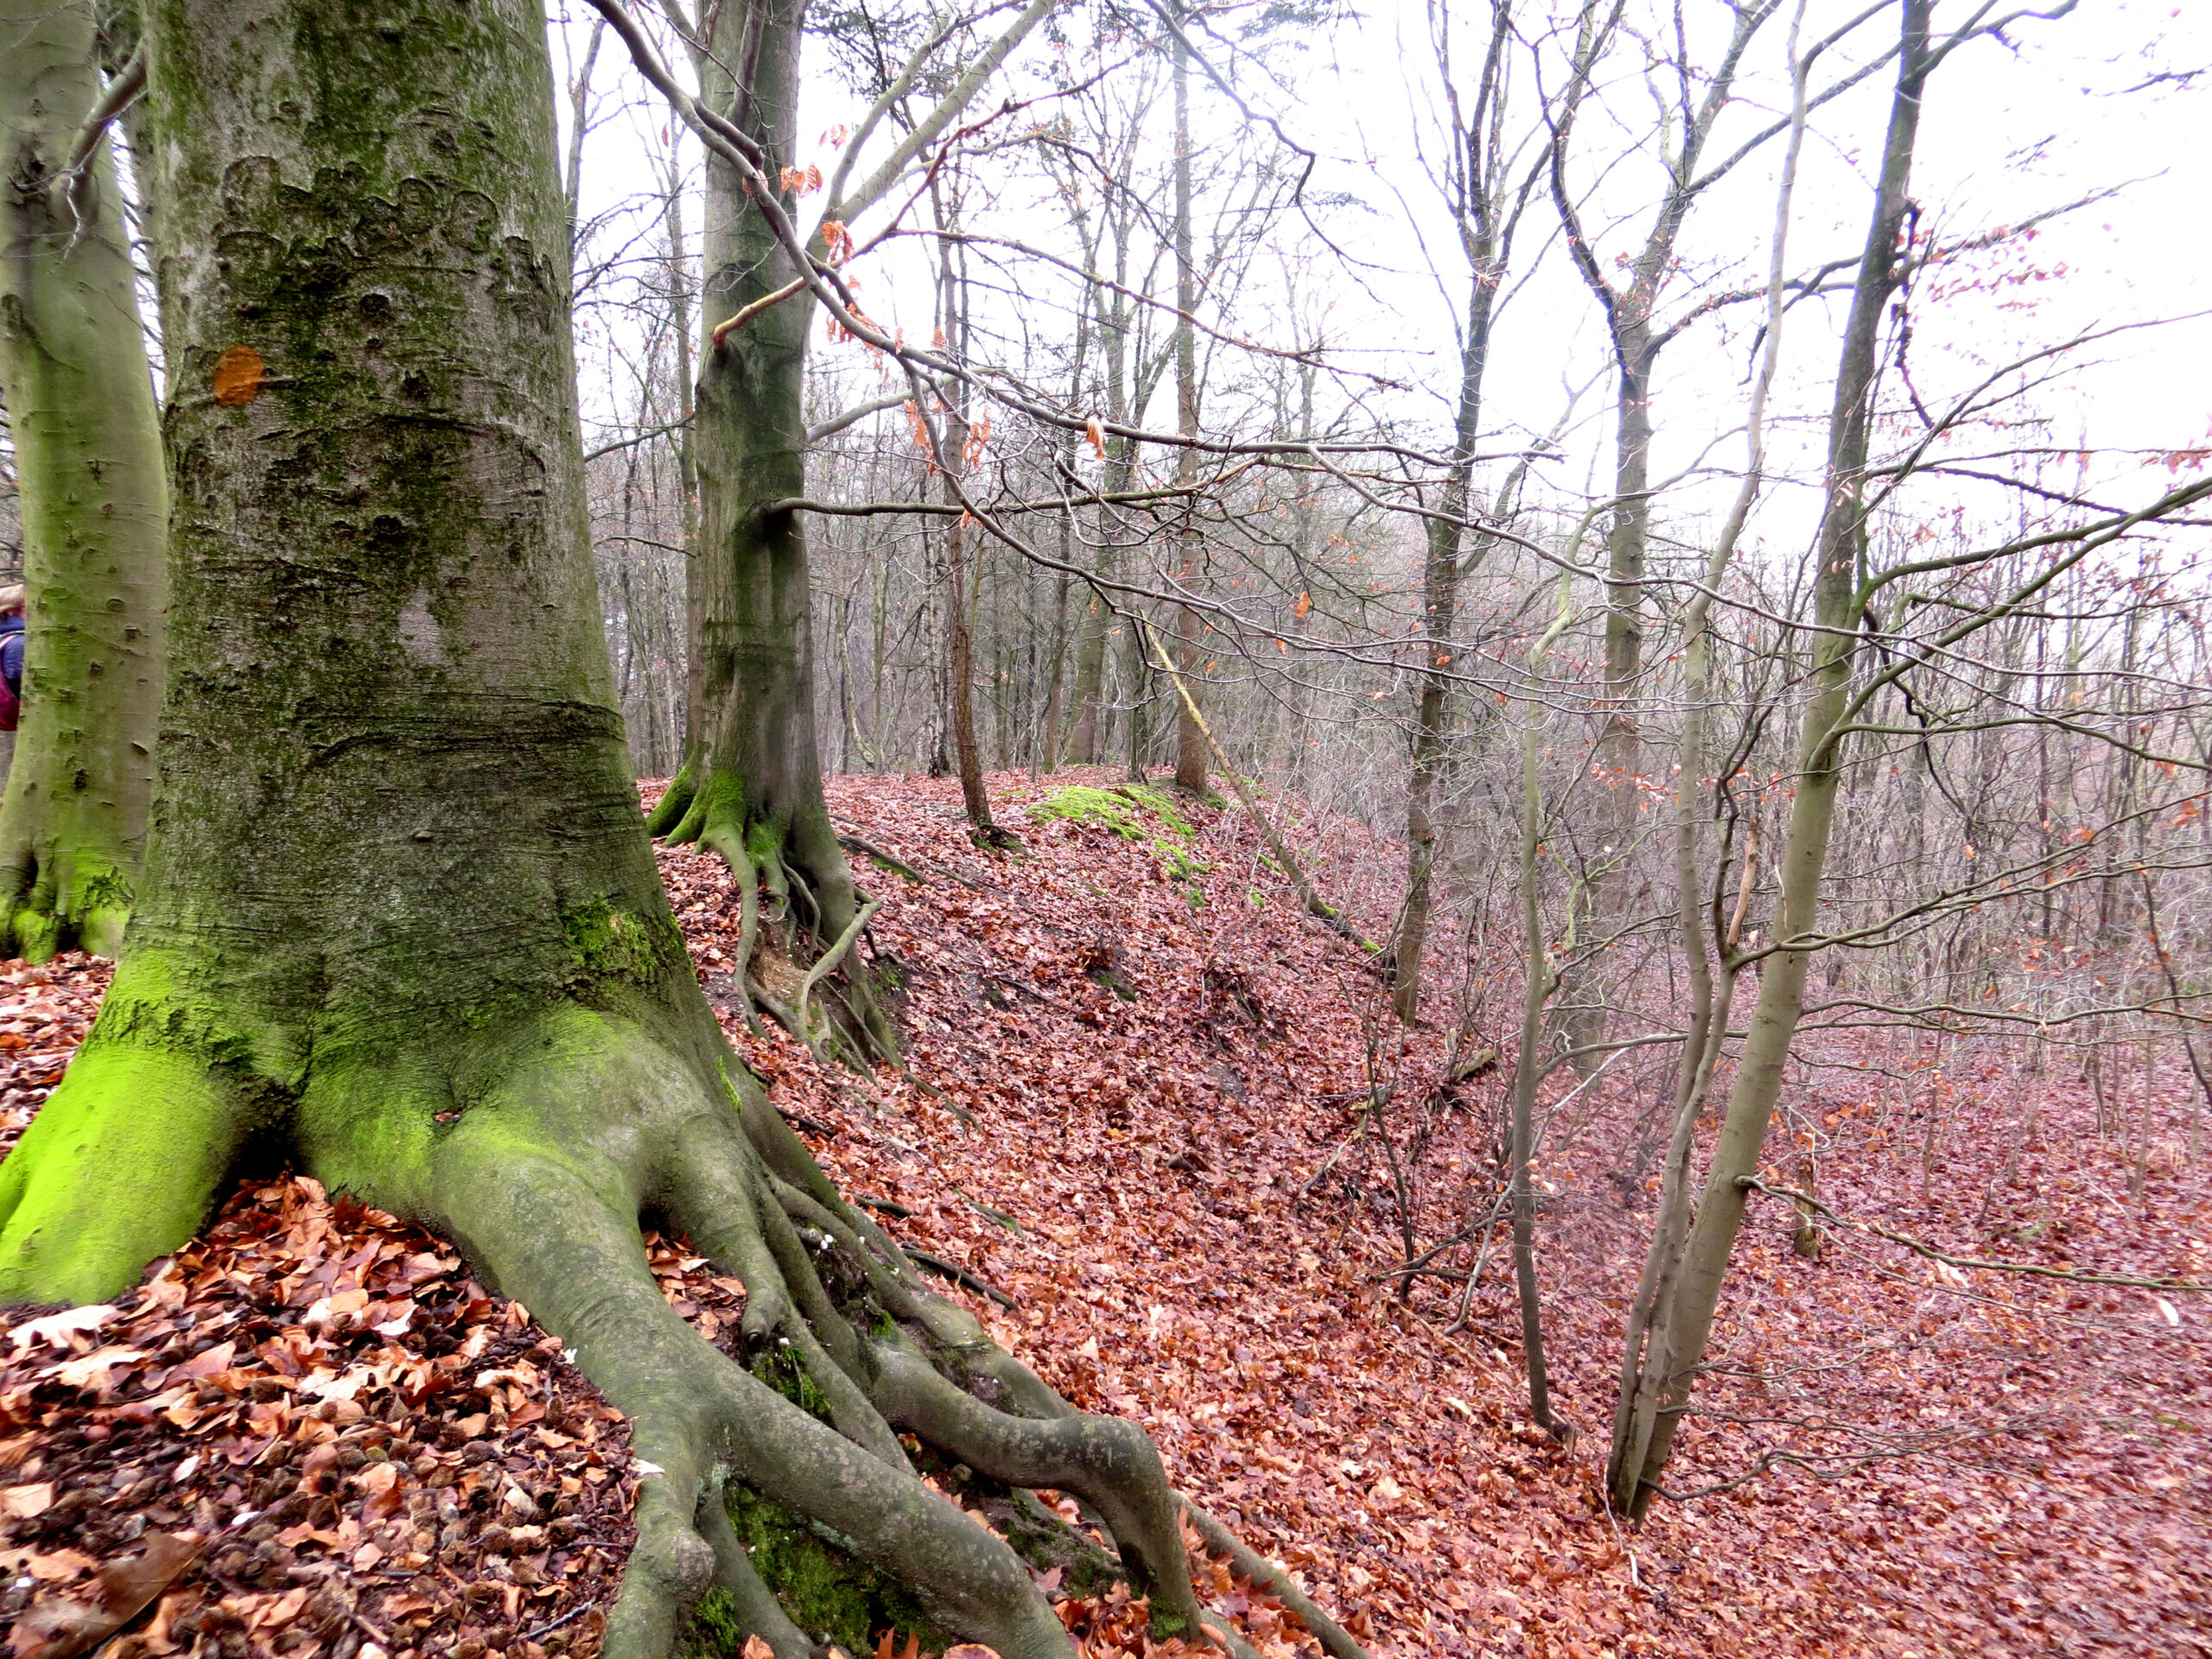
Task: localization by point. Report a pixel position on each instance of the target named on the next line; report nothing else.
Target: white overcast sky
(2012, 130)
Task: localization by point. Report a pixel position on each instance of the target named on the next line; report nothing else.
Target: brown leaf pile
(1167, 1175)
(44, 1014)
(308, 1432)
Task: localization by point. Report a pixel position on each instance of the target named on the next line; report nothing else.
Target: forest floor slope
(1171, 1176)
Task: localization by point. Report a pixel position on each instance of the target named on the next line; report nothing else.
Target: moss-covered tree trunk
(751, 784)
(88, 453)
(400, 920)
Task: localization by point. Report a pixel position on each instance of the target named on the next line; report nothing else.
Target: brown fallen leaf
(59, 1628)
(381, 1482)
(22, 1502)
(58, 1328)
(59, 1566)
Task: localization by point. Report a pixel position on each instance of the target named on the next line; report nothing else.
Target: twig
(1330, 1162)
(869, 849)
(1752, 1184)
(830, 958)
(577, 1612)
(724, 329)
(957, 1274)
(853, 844)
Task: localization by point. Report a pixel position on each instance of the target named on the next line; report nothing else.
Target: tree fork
(1681, 1324)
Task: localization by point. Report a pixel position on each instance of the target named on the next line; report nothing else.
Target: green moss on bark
(399, 918)
(139, 1137)
(828, 1593)
(621, 945)
(88, 458)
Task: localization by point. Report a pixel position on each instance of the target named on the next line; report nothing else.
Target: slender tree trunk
(1620, 751)
(1632, 325)
(1089, 677)
(1050, 737)
(750, 787)
(959, 606)
(1708, 1024)
(95, 507)
(680, 325)
(1440, 615)
(572, 181)
(1528, 1070)
(400, 922)
(1086, 746)
(1189, 739)
(1046, 752)
(1681, 1326)
(960, 662)
(1620, 746)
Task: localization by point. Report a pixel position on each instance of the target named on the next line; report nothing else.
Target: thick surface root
(798, 900)
(782, 1492)
(61, 900)
(558, 1229)
(120, 1168)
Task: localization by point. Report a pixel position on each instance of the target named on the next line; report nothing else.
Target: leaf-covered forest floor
(1171, 1175)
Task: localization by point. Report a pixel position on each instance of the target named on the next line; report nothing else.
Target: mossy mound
(1133, 812)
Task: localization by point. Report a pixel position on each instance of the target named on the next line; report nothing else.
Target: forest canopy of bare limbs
(1514, 696)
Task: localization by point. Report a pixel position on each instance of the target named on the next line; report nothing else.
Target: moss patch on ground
(1134, 812)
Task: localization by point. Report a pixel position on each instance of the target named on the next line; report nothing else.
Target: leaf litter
(1135, 1130)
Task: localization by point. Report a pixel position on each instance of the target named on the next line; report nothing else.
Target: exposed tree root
(785, 1500)
(794, 856)
(63, 899)
(997, 838)
(1265, 1574)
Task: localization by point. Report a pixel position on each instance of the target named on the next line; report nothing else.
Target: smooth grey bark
(1681, 1322)
(75, 377)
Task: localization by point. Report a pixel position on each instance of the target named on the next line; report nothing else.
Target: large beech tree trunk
(400, 920)
(88, 455)
(750, 787)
